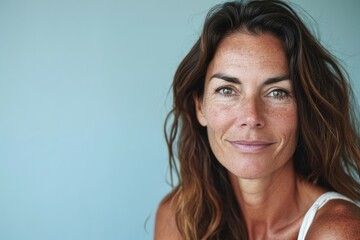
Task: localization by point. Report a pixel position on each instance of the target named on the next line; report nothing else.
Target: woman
(264, 133)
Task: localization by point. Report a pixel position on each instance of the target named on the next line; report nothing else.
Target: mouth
(251, 146)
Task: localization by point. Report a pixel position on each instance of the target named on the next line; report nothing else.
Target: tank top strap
(310, 214)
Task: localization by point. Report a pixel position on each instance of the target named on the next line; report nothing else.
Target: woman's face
(248, 106)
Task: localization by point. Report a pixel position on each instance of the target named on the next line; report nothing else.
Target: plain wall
(83, 96)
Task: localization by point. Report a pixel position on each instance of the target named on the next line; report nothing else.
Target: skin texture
(251, 123)
(250, 113)
(165, 224)
(336, 220)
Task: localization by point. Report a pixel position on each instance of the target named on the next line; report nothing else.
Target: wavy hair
(327, 153)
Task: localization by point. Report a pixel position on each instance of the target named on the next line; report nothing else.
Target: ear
(200, 114)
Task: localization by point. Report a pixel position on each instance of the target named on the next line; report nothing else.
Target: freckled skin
(250, 113)
(250, 110)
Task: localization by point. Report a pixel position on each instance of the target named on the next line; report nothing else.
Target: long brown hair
(328, 146)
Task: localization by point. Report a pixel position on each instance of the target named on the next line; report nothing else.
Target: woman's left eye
(225, 91)
(278, 94)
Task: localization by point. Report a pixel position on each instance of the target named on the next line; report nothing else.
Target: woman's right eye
(226, 91)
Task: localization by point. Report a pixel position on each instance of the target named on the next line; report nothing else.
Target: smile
(250, 146)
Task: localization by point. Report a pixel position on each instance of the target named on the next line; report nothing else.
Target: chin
(248, 172)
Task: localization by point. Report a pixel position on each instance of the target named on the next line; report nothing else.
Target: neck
(273, 203)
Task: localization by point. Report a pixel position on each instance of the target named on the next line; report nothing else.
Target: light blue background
(83, 96)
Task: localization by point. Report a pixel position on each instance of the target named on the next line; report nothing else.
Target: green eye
(278, 94)
(225, 91)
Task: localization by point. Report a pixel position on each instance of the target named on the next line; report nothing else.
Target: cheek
(218, 123)
(219, 117)
(282, 112)
(285, 122)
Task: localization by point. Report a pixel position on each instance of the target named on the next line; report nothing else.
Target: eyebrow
(237, 81)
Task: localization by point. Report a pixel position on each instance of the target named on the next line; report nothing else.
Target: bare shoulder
(165, 222)
(338, 219)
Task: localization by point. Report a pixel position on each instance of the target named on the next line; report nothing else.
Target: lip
(251, 146)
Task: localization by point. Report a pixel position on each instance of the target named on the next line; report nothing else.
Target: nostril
(253, 122)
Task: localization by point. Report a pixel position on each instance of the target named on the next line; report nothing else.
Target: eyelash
(283, 93)
(221, 90)
(231, 92)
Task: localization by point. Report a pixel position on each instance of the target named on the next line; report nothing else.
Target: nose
(252, 113)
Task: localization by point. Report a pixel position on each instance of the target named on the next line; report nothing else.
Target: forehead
(250, 43)
(249, 54)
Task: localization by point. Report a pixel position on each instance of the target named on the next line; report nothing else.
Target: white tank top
(310, 214)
